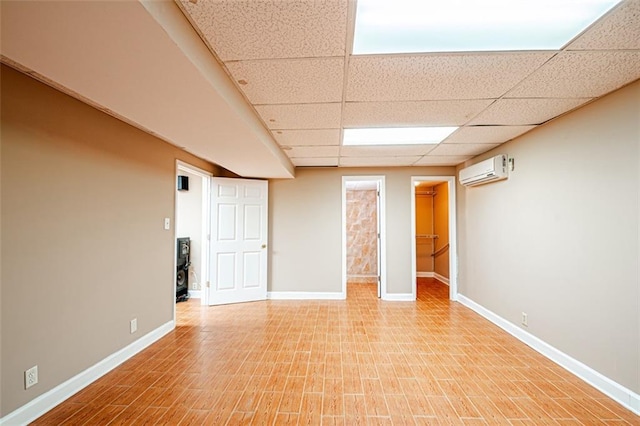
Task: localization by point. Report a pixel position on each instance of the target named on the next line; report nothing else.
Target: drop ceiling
(292, 60)
(260, 86)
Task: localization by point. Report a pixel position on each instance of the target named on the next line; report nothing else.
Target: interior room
(362, 233)
(432, 230)
(221, 152)
(192, 228)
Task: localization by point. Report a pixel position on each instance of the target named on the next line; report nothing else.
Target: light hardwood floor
(359, 361)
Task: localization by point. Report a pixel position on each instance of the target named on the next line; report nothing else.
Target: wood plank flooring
(356, 362)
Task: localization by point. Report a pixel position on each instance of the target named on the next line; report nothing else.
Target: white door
(238, 265)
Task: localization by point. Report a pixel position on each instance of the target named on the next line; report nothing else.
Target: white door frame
(453, 249)
(382, 251)
(206, 223)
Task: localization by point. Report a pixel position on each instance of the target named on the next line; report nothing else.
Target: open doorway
(363, 239)
(192, 232)
(433, 231)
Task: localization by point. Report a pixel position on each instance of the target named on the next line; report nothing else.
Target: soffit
(118, 57)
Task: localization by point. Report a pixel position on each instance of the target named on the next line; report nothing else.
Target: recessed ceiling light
(410, 26)
(396, 135)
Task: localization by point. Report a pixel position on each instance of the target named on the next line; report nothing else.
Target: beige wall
(362, 236)
(424, 225)
(305, 220)
(559, 239)
(83, 245)
(441, 225)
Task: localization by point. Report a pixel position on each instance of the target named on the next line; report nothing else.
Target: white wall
(559, 240)
(189, 224)
(305, 228)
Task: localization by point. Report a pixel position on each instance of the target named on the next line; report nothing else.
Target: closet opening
(433, 232)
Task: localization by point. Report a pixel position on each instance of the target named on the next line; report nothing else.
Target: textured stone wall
(362, 229)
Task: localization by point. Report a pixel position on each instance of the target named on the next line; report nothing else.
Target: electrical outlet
(31, 377)
(525, 319)
(134, 325)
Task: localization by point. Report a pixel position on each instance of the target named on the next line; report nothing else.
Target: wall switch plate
(31, 377)
(134, 325)
(167, 223)
(525, 319)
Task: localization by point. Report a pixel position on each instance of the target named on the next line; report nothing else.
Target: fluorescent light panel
(396, 135)
(413, 26)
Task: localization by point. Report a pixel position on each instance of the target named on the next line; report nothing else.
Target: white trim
(382, 218)
(399, 297)
(195, 294)
(425, 274)
(441, 278)
(453, 249)
(305, 295)
(45, 402)
(614, 390)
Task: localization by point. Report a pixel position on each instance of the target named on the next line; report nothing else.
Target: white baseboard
(45, 402)
(424, 274)
(305, 295)
(399, 297)
(441, 278)
(195, 294)
(614, 390)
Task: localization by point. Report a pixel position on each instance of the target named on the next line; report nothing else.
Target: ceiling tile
(462, 149)
(442, 160)
(378, 161)
(442, 76)
(413, 113)
(290, 81)
(307, 137)
(249, 29)
(526, 111)
(580, 74)
(485, 134)
(619, 30)
(315, 162)
(301, 116)
(386, 150)
(312, 151)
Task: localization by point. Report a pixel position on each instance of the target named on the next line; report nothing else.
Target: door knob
(264, 246)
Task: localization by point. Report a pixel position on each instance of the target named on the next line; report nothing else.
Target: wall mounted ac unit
(489, 170)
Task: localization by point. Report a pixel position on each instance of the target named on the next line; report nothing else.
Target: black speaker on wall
(183, 183)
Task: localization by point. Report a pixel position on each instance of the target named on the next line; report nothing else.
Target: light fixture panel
(413, 26)
(396, 135)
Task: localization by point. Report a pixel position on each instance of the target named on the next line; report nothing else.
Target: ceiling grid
(293, 62)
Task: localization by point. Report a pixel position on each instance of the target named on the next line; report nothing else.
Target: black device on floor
(182, 269)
